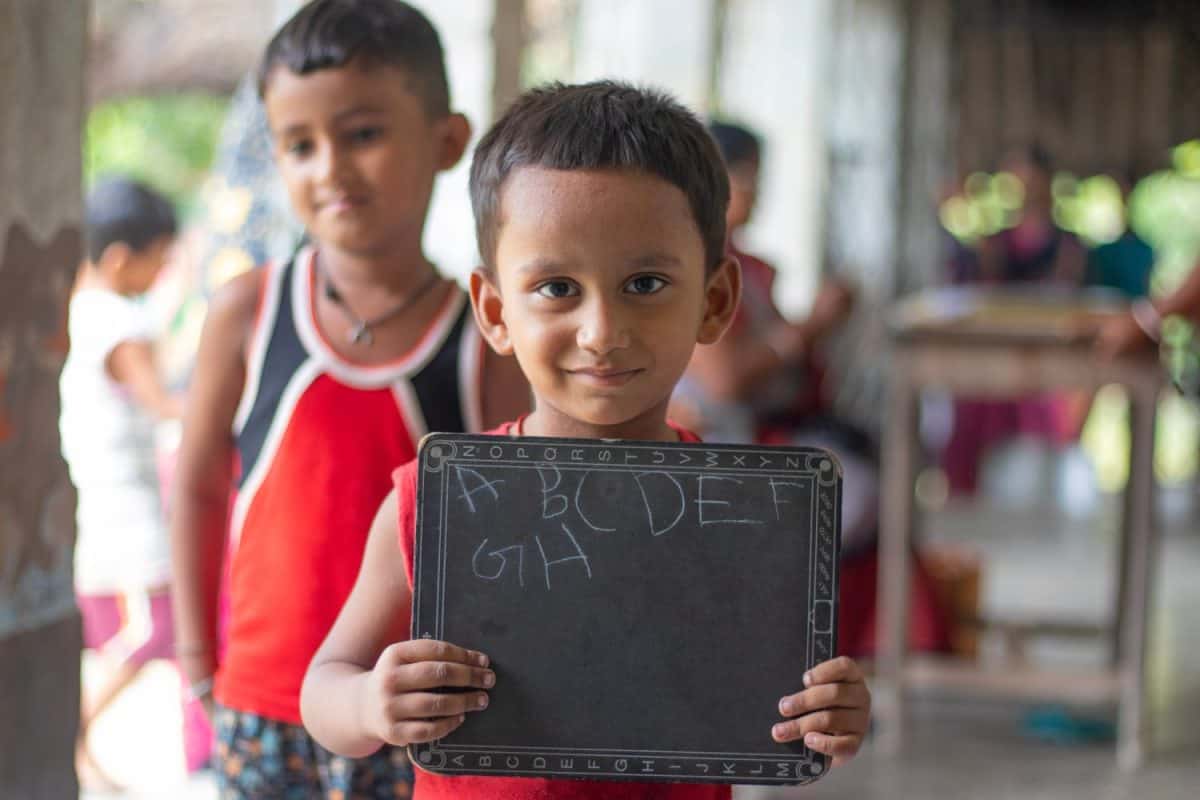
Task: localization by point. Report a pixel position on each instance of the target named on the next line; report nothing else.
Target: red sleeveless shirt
(317, 439)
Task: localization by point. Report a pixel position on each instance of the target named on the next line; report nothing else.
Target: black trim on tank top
(436, 385)
(438, 380)
(285, 353)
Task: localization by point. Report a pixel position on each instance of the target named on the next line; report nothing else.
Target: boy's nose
(602, 329)
(330, 164)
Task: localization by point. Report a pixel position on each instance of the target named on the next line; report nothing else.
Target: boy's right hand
(400, 706)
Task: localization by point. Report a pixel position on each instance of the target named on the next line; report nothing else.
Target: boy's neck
(651, 426)
(92, 277)
(394, 271)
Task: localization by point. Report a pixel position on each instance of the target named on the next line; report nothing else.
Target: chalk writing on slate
(645, 605)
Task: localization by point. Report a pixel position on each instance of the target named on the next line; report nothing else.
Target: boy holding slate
(600, 215)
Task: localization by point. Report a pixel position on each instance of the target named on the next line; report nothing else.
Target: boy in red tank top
(600, 214)
(315, 379)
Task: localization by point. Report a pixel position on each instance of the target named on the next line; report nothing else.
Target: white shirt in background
(108, 442)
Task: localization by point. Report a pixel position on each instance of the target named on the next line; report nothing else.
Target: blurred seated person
(1126, 263)
(1035, 251)
(762, 383)
(765, 366)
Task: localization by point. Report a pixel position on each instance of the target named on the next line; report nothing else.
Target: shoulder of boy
(234, 305)
(102, 320)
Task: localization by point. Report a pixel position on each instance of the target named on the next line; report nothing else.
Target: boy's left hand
(832, 714)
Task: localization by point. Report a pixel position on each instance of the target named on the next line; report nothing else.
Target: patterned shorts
(263, 759)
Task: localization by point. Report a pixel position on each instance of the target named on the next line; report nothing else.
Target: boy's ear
(489, 312)
(456, 135)
(722, 295)
(114, 258)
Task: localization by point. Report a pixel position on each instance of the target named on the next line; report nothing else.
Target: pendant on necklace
(361, 335)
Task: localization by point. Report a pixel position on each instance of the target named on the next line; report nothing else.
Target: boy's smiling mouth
(605, 376)
(342, 203)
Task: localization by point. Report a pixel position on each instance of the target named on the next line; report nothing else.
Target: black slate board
(645, 605)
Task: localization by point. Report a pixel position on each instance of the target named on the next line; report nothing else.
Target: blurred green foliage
(1091, 207)
(167, 141)
(1164, 209)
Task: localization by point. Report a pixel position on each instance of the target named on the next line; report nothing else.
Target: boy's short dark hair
(738, 144)
(327, 34)
(602, 125)
(122, 210)
(1033, 153)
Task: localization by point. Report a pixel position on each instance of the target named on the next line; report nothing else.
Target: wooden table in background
(1008, 345)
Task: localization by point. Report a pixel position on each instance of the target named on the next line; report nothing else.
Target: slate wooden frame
(437, 599)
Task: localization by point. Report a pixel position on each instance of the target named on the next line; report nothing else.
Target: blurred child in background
(112, 400)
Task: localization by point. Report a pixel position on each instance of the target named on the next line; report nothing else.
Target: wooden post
(927, 122)
(42, 49)
(896, 524)
(1141, 549)
(509, 35)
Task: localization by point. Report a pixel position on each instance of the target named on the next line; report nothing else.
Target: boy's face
(1034, 180)
(743, 193)
(133, 272)
(358, 154)
(600, 290)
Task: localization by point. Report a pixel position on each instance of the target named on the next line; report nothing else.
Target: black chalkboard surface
(645, 605)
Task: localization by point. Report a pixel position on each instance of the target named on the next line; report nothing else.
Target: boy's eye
(646, 284)
(557, 289)
(298, 148)
(365, 135)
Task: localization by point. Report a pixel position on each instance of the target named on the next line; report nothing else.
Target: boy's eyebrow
(539, 265)
(656, 261)
(295, 129)
(356, 110)
(646, 261)
(301, 127)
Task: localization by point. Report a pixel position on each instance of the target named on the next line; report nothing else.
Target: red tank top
(430, 786)
(318, 438)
